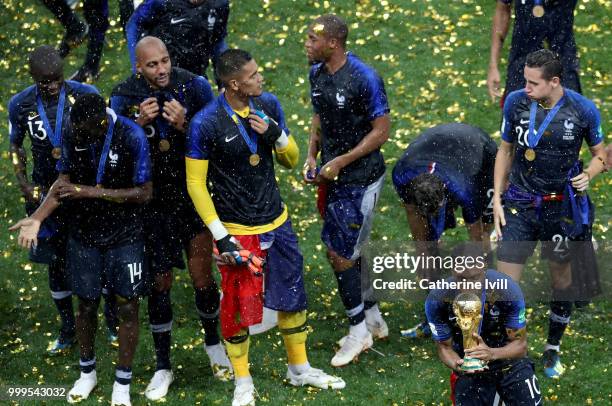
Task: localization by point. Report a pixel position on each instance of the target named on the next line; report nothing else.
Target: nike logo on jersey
(177, 20)
(315, 94)
(524, 121)
(77, 149)
(32, 115)
(229, 139)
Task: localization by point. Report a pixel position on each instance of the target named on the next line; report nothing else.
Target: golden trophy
(467, 307)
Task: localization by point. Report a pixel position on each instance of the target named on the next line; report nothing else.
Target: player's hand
(458, 364)
(229, 250)
(309, 172)
(28, 232)
(265, 127)
(174, 113)
(73, 191)
(330, 171)
(581, 182)
(493, 81)
(149, 110)
(482, 351)
(499, 217)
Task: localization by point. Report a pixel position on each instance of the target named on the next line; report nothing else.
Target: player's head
(429, 193)
(239, 73)
(543, 74)
(153, 61)
(47, 70)
(88, 118)
(326, 35)
(469, 260)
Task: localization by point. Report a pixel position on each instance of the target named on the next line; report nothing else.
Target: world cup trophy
(467, 307)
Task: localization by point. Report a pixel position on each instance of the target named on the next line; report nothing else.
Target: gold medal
(538, 11)
(254, 159)
(530, 154)
(164, 145)
(56, 152)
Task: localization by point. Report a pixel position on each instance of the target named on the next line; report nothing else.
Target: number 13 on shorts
(135, 271)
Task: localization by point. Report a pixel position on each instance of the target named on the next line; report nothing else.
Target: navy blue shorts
(515, 384)
(284, 275)
(349, 211)
(526, 225)
(169, 227)
(120, 270)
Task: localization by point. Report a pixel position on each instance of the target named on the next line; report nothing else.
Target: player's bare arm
(448, 356)
(503, 161)
(371, 142)
(138, 194)
(314, 146)
(596, 166)
(20, 160)
(499, 31)
(516, 347)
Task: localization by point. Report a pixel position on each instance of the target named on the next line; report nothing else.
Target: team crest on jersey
(114, 157)
(341, 99)
(71, 99)
(568, 134)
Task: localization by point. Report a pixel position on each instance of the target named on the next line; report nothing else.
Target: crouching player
(104, 179)
(231, 180)
(501, 338)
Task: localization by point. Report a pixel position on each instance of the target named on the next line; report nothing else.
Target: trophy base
(472, 364)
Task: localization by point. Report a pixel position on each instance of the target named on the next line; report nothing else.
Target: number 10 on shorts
(135, 271)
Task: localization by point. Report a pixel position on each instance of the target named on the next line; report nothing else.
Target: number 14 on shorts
(135, 271)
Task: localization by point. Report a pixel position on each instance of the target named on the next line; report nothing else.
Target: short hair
(87, 107)
(547, 61)
(231, 62)
(471, 249)
(333, 27)
(45, 59)
(427, 193)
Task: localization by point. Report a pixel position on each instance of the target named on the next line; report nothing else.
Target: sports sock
(62, 297)
(207, 303)
(238, 352)
(87, 365)
(96, 15)
(293, 328)
(123, 375)
(160, 319)
(349, 287)
(560, 312)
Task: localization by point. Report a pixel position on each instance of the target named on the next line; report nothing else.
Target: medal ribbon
(54, 136)
(105, 150)
(533, 137)
(250, 141)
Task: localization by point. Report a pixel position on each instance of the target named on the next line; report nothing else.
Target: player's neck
(336, 61)
(236, 101)
(555, 96)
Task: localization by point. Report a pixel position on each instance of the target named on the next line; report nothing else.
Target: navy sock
(62, 297)
(96, 15)
(87, 364)
(123, 375)
(560, 312)
(349, 287)
(160, 318)
(62, 11)
(207, 303)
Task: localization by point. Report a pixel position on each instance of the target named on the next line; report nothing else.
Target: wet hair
(547, 61)
(230, 63)
(333, 27)
(88, 107)
(427, 192)
(45, 59)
